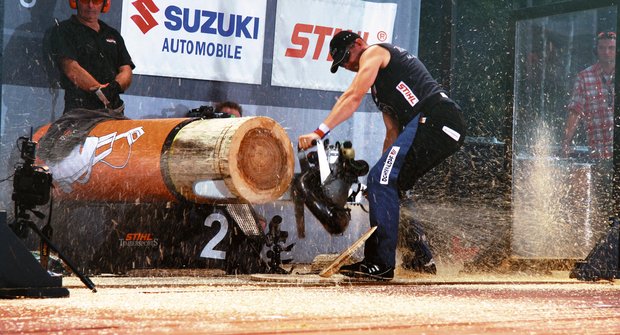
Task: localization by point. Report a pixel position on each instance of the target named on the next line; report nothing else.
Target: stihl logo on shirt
(407, 93)
(387, 166)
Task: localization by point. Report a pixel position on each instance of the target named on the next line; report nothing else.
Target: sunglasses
(95, 2)
(606, 35)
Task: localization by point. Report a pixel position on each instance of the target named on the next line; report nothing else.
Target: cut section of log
(250, 157)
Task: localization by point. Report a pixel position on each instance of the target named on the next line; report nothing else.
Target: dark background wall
(467, 44)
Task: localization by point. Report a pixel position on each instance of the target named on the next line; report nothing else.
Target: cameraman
(229, 107)
(94, 62)
(222, 110)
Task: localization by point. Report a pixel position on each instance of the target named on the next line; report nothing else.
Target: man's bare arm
(78, 75)
(370, 62)
(349, 101)
(124, 76)
(569, 132)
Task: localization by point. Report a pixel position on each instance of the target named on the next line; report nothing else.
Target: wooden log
(252, 156)
(231, 160)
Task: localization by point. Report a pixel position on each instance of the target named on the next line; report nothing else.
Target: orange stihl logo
(139, 237)
(307, 36)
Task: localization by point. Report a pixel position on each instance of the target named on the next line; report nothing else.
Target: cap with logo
(338, 47)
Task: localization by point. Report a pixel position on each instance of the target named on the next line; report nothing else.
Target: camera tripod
(20, 274)
(23, 222)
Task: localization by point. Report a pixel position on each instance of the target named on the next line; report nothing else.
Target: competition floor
(207, 302)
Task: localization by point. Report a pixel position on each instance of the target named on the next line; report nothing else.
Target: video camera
(207, 112)
(31, 184)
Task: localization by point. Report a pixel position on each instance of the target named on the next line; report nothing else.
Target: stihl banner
(303, 31)
(202, 39)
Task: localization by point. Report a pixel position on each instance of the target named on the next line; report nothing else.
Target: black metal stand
(49, 243)
(20, 273)
(275, 237)
(603, 261)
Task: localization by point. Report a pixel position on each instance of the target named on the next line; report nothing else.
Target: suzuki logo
(145, 21)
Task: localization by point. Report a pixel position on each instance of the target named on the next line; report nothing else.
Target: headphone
(104, 9)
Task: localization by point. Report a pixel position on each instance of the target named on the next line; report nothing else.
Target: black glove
(112, 90)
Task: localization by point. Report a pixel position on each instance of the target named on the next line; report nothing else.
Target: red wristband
(322, 130)
(319, 132)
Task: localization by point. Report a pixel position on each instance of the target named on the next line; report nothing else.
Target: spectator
(229, 107)
(94, 62)
(592, 101)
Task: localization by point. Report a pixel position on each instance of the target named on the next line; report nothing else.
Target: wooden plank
(346, 254)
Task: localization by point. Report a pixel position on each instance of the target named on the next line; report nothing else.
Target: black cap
(338, 47)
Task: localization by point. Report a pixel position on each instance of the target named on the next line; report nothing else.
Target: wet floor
(194, 303)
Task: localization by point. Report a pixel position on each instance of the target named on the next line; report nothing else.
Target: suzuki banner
(304, 29)
(201, 39)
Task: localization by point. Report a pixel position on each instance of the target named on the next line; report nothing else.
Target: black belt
(430, 101)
